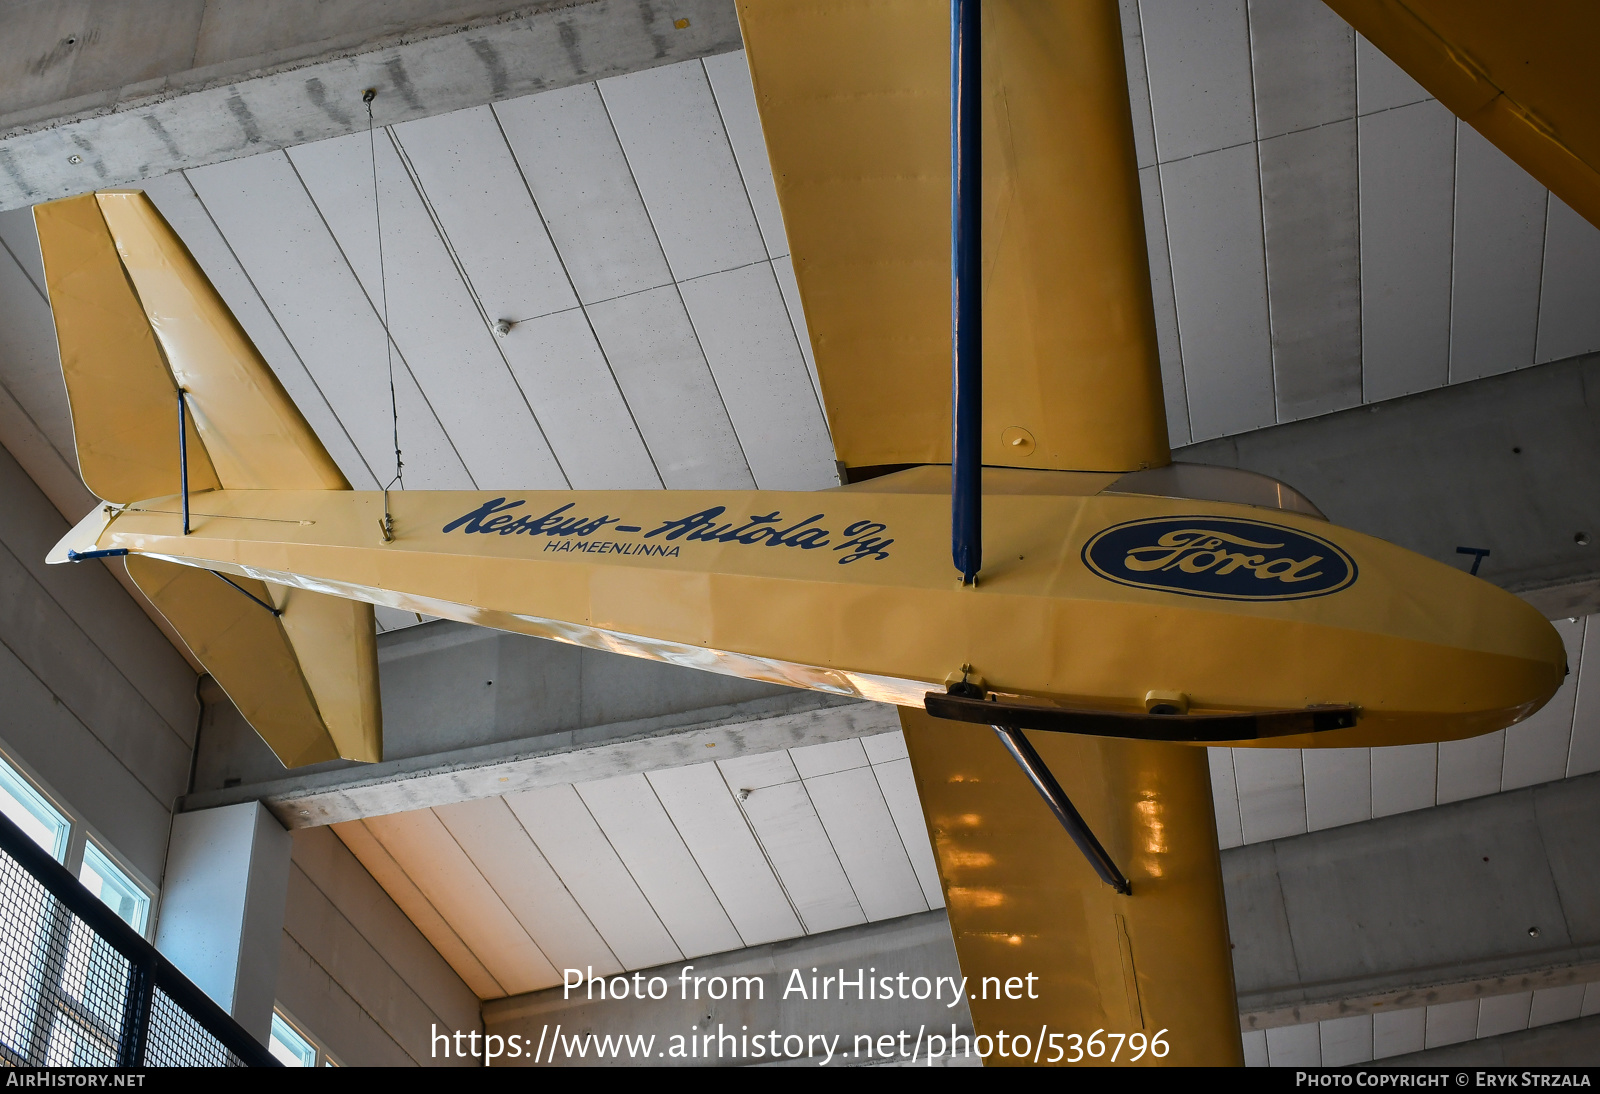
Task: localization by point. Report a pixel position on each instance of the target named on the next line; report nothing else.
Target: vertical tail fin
(137, 321)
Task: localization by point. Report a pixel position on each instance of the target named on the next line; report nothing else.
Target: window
(116, 889)
(289, 1044)
(31, 812)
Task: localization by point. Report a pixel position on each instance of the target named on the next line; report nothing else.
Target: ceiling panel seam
(1161, 198)
(1261, 210)
(660, 919)
(1455, 227)
(21, 266)
(900, 836)
(504, 903)
(576, 903)
(744, 182)
(421, 391)
(472, 291)
(690, 851)
(571, 284)
(766, 856)
(854, 894)
(1544, 253)
(398, 974)
(266, 307)
(480, 958)
(676, 288)
(1361, 266)
(443, 920)
(89, 639)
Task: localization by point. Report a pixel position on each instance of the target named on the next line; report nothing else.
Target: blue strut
(966, 292)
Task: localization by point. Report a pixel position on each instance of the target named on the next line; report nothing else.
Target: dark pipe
(1045, 783)
(966, 290)
(183, 460)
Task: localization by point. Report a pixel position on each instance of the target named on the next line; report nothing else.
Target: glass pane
(117, 890)
(30, 812)
(288, 1046)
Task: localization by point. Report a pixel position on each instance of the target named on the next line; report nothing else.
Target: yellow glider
(1115, 583)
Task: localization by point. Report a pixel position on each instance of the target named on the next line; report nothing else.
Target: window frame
(323, 1057)
(80, 833)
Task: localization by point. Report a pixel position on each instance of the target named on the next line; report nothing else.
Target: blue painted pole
(966, 292)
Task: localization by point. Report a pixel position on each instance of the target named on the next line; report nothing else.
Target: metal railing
(81, 988)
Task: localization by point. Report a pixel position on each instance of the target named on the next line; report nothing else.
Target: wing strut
(966, 270)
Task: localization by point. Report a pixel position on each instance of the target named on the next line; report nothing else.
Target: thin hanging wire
(387, 524)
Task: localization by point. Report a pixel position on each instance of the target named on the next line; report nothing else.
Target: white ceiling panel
(417, 908)
(1294, 1046)
(1310, 216)
(498, 846)
(640, 831)
(1470, 768)
(1499, 254)
(584, 859)
(1272, 801)
(1398, 1031)
(657, 360)
(1198, 53)
(569, 154)
(868, 844)
(461, 894)
(1537, 749)
(1380, 83)
(784, 269)
(32, 364)
(1346, 1041)
(882, 748)
(729, 74)
(1451, 1023)
(814, 760)
(567, 379)
(177, 201)
(899, 787)
(1404, 777)
(1338, 786)
(18, 236)
(1303, 65)
(1407, 167)
(1556, 1004)
(477, 191)
(1213, 205)
(436, 324)
(710, 822)
(1168, 344)
(1225, 797)
(1499, 1014)
(1569, 321)
(280, 239)
(672, 134)
(1584, 756)
(744, 331)
(1144, 131)
(797, 846)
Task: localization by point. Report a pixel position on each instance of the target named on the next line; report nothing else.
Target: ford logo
(1222, 558)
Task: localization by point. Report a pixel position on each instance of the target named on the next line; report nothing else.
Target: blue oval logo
(1221, 558)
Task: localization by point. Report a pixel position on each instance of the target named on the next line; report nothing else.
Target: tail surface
(137, 322)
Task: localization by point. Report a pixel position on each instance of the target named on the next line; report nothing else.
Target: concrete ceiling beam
(109, 95)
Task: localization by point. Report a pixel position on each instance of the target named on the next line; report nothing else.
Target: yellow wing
(855, 103)
(1521, 74)
(135, 318)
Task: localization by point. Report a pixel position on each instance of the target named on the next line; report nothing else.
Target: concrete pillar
(222, 907)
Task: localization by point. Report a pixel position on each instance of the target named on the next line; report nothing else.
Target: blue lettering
(691, 523)
(474, 519)
(866, 542)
